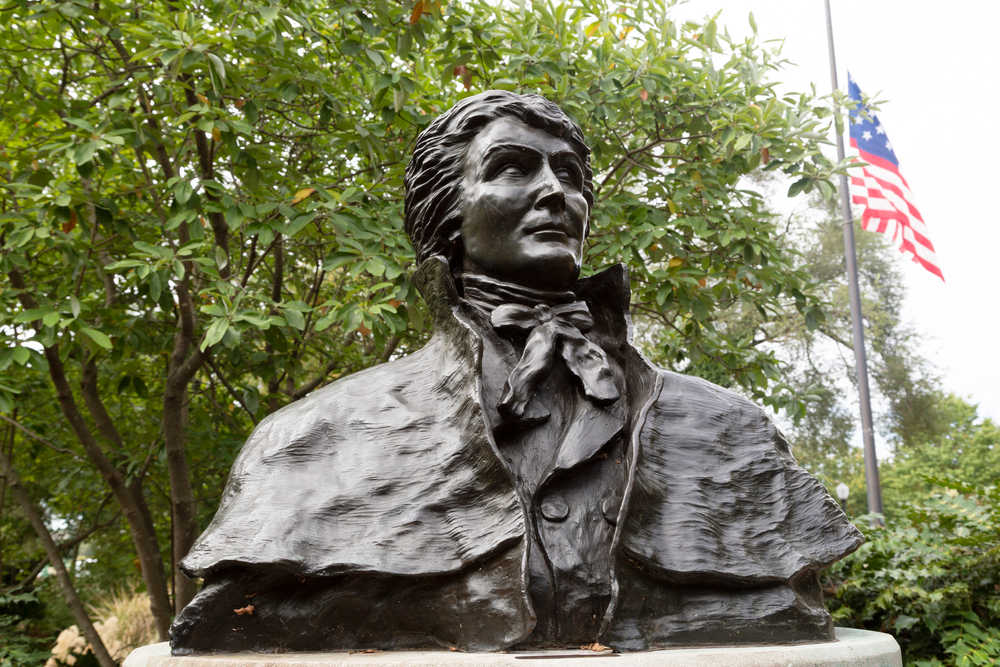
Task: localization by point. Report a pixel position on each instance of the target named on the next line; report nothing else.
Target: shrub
(931, 578)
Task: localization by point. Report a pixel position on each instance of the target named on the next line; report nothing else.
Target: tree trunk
(143, 533)
(55, 559)
(185, 517)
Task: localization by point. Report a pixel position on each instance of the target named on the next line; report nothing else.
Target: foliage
(964, 447)
(931, 578)
(17, 648)
(200, 220)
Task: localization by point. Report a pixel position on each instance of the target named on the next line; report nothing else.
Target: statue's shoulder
(717, 491)
(711, 407)
(368, 396)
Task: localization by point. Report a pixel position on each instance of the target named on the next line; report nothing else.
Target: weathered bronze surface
(528, 478)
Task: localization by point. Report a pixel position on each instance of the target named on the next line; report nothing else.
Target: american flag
(888, 202)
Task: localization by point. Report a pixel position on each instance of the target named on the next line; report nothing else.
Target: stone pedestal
(853, 648)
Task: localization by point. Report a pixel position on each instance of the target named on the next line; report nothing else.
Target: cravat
(551, 329)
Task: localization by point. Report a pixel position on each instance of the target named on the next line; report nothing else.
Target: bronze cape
(376, 513)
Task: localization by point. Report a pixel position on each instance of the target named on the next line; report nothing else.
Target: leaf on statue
(595, 647)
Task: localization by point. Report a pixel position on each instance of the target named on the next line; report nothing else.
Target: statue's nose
(551, 195)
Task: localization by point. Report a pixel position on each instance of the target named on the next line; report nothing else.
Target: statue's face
(524, 213)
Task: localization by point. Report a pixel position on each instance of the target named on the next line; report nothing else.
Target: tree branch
(35, 436)
(232, 391)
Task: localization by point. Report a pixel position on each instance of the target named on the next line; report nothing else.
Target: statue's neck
(488, 293)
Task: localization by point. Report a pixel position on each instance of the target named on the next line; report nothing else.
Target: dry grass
(135, 626)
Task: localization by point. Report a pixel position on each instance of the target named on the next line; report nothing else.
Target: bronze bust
(528, 478)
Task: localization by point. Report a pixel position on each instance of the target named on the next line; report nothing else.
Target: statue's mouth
(551, 231)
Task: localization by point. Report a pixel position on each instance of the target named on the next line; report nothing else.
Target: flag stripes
(889, 206)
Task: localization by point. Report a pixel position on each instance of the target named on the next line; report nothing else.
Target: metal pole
(871, 463)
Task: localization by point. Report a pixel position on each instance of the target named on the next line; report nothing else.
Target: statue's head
(501, 185)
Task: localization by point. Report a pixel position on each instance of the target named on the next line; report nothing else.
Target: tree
(966, 448)
(200, 217)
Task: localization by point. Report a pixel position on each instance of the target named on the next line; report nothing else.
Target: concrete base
(853, 648)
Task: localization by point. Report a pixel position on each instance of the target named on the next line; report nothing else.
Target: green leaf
(30, 315)
(375, 266)
(98, 337)
(337, 259)
(294, 318)
(21, 355)
(183, 192)
(296, 225)
(233, 217)
(74, 306)
(709, 36)
(215, 333)
(728, 135)
(82, 124)
(798, 186)
(221, 258)
(220, 67)
(84, 152)
(743, 142)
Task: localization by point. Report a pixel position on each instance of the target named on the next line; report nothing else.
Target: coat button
(554, 508)
(610, 508)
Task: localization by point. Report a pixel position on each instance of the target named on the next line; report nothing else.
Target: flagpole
(871, 463)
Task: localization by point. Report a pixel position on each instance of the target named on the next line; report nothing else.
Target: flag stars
(867, 136)
(880, 129)
(888, 145)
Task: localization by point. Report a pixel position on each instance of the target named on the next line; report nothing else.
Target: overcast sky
(936, 66)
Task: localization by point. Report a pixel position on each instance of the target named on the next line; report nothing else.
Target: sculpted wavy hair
(434, 177)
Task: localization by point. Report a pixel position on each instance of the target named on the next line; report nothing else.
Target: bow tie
(551, 330)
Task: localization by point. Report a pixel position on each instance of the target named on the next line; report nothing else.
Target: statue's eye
(511, 170)
(565, 174)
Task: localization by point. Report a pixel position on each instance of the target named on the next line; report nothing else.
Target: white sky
(936, 65)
